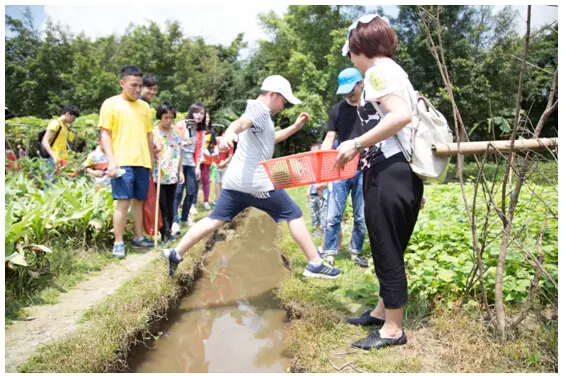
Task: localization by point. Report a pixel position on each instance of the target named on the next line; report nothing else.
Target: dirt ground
(47, 323)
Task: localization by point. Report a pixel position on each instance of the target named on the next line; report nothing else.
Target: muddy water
(230, 322)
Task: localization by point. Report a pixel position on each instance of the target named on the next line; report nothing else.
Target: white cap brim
(345, 48)
(291, 98)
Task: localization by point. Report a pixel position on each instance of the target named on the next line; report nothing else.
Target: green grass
(441, 339)
(114, 325)
(67, 267)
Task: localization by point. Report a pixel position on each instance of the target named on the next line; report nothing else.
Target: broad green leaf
(15, 231)
(445, 275)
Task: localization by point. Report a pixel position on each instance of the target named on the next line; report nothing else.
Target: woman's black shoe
(365, 320)
(375, 341)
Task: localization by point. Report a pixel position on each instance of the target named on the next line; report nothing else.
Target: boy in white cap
(246, 183)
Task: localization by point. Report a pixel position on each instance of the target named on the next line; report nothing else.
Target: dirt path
(47, 323)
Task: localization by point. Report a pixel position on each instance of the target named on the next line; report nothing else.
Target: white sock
(177, 256)
(119, 243)
(315, 263)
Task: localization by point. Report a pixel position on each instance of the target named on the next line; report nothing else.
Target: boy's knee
(123, 205)
(216, 223)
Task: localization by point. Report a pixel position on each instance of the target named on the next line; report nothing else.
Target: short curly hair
(376, 38)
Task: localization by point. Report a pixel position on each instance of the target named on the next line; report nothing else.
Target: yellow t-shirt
(59, 147)
(129, 122)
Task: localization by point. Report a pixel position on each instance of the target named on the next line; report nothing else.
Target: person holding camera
(192, 130)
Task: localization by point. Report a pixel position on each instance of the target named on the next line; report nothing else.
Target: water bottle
(119, 172)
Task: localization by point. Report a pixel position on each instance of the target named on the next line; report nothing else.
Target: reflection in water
(231, 321)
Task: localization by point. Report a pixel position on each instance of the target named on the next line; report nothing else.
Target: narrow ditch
(230, 319)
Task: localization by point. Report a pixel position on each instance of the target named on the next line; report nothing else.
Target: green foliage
(23, 131)
(440, 255)
(47, 70)
(541, 173)
(49, 225)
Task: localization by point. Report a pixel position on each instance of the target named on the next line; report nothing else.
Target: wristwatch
(360, 148)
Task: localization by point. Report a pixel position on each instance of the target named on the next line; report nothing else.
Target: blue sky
(16, 11)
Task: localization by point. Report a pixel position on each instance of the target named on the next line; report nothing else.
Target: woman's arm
(397, 117)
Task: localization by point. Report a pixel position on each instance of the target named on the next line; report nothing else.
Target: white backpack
(428, 128)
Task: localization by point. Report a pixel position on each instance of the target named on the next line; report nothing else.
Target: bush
(541, 173)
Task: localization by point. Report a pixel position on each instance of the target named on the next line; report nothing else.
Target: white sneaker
(206, 206)
(193, 210)
(175, 229)
(190, 222)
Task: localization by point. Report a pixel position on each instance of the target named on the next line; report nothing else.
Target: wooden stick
(502, 146)
(157, 201)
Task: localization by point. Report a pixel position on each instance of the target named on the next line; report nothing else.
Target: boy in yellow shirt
(55, 140)
(126, 135)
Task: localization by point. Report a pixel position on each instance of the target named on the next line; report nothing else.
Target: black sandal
(375, 341)
(365, 320)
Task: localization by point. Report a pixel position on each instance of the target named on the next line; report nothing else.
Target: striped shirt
(255, 145)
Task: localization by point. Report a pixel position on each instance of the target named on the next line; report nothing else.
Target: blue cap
(347, 79)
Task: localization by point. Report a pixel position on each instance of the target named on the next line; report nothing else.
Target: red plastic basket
(307, 168)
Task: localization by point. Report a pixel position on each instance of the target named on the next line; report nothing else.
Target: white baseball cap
(279, 84)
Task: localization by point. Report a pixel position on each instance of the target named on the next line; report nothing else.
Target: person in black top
(149, 88)
(344, 124)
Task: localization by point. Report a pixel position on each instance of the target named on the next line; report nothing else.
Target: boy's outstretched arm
(289, 131)
(231, 134)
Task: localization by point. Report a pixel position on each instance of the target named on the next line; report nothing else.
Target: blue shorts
(278, 205)
(133, 184)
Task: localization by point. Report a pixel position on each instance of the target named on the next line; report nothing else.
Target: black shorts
(276, 203)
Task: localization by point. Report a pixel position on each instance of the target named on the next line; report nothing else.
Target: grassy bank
(72, 260)
(73, 266)
(110, 328)
(440, 339)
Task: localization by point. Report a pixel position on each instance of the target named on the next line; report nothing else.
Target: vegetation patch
(441, 338)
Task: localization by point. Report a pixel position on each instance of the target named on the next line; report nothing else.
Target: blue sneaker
(324, 270)
(119, 251)
(144, 243)
(172, 258)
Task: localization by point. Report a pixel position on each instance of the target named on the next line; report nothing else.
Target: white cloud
(217, 23)
(540, 15)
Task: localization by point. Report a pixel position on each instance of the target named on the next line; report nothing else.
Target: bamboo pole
(155, 231)
(481, 147)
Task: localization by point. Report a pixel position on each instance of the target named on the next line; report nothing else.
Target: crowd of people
(373, 120)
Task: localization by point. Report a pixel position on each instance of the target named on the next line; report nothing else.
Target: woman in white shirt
(392, 191)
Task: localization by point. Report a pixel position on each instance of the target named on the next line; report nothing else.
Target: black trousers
(167, 205)
(392, 195)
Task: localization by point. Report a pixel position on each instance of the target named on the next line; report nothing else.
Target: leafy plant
(439, 256)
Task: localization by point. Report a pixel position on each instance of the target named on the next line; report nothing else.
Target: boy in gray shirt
(246, 183)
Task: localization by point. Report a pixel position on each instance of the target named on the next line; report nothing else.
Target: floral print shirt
(170, 155)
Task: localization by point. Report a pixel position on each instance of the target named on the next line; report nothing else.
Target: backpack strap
(406, 155)
(56, 134)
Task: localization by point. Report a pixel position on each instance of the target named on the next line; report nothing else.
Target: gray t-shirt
(187, 151)
(255, 145)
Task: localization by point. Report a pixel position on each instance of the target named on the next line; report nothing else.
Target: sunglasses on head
(364, 19)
